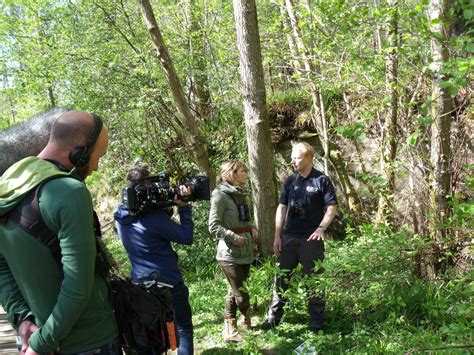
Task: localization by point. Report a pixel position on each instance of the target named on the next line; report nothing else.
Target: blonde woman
(229, 222)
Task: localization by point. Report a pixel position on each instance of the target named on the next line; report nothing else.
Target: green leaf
(445, 84)
(411, 141)
(468, 14)
(453, 90)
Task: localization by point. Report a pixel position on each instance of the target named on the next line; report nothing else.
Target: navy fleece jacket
(147, 239)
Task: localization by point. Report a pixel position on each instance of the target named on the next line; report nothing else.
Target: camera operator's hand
(183, 191)
(240, 241)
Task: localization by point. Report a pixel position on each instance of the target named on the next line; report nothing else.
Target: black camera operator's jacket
(223, 217)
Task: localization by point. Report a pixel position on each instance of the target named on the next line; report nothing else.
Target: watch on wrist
(322, 227)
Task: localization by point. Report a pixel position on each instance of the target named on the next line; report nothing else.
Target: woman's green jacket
(223, 217)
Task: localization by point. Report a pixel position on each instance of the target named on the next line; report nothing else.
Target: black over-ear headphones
(80, 155)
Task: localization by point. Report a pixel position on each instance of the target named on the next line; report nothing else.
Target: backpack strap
(27, 215)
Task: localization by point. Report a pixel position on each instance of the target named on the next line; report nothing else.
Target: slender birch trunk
(257, 123)
(196, 47)
(440, 133)
(389, 144)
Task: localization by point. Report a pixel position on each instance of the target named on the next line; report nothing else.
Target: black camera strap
(233, 199)
(27, 215)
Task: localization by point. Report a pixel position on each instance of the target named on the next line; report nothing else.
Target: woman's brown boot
(231, 335)
(245, 321)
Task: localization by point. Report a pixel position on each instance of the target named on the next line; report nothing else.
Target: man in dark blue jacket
(147, 238)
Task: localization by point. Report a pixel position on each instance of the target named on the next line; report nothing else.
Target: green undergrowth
(375, 303)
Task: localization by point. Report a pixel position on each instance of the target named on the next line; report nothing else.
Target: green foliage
(226, 136)
(195, 260)
(353, 130)
(375, 303)
(462, 205)
(97, 56)
(290, 97)
(116, 249)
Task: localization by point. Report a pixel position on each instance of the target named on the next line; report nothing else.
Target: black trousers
(236, 298)
(294, 251)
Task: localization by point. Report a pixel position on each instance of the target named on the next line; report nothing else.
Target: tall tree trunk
(194, 141)
(257, 124)
(308, 72)
(200, 82)
(295, 64)
(440, 130)
(418, 166)
(52, 99)
(389, 144)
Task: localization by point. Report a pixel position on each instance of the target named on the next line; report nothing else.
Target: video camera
(156, 192)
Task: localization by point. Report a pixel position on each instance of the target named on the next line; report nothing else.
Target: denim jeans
(183, 318)
(112, 348)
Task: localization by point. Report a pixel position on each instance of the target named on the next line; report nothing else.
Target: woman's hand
(240, 241)
(255, 234)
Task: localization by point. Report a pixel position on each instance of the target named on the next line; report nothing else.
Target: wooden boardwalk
(7, 337)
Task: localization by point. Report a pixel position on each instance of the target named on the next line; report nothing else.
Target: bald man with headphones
(57, 305)
(78, 139)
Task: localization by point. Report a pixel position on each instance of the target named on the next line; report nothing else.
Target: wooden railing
(7, 336)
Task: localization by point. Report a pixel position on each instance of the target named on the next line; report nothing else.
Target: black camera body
(156, 192)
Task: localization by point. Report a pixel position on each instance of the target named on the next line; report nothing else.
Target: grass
(386, 317)
(359, 336)
(374, 302)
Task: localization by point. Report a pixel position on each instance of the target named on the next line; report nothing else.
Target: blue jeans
(183, 318)
(112, 348)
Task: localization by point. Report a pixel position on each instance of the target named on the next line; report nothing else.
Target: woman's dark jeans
(236, 298)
